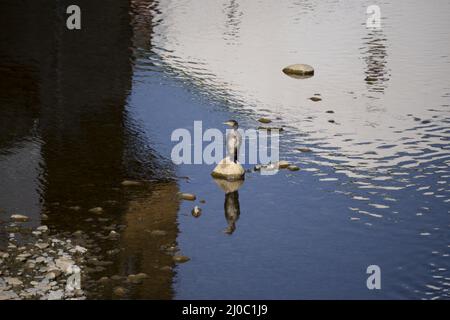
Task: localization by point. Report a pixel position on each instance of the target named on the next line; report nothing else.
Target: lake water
(82, 111)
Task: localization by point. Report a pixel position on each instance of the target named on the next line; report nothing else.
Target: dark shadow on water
(66, 92)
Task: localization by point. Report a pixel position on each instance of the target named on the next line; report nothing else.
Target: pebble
(120, 291)
(103, 280)
(283, 164)
(271, 128)
(42, 228)
(113, 235)
(15, 282)
(130, 183)
(299, 70)
(264, 120)
(180, 259)
(158, 233)
(97, 210)
(19, 218)
(42, 245)
(55, 295)
(293, 167)
(304, 149)
(187, 196)
(137, 278)
(315, 99)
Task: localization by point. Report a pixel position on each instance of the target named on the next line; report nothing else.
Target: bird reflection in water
(231, 204)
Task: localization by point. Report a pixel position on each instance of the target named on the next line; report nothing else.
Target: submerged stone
(120, 291)
(19, 218)
(130, 183)
(181, 259)
(97, 210)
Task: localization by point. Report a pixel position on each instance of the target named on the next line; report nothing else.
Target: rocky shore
(36, 265)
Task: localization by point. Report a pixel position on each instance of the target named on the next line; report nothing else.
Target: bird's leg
(235, 155)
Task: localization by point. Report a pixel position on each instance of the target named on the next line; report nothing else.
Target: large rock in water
(228, 170)
(299, 70)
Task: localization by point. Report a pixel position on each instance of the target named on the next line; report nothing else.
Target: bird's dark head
(232, 123)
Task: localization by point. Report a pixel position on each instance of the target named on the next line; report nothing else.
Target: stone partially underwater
(299, 71)
(228, 170)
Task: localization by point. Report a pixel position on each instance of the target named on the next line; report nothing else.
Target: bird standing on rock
(234, 140)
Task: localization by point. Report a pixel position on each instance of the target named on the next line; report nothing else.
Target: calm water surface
(83, 111)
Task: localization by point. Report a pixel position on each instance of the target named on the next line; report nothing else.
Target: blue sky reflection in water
(373, 190)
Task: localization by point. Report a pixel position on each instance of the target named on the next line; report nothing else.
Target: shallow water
(81, 112)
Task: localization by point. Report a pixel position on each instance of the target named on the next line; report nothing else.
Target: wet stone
(187, 196)
(158, 233)
(299, 70)
(293, 168)
(131, 183)
(96, 210)
(19, 218)
(264, 120)
(282, 164)
(180, 259)
(120, 291)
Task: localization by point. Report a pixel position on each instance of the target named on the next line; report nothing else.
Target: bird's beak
(228, 123)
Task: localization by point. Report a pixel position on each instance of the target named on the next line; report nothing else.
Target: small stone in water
(293, 168)
(180, 259)
(166, 268)
(315, 99)
(329, 111)
(42, 228)
(264, 120)
(279, 129)
(188, 196)
(158, 233)
(119, 291)
(113, 235)
(19, 218)
(283, 164)
(97, 210)
(299, 70)
(130, 183)
(304, 149)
